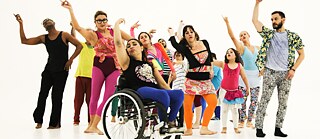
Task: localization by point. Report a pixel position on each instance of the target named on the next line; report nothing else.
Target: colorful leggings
(98, 77)
(272, 79)
(254, 93)
(172, 98)
(211, 99)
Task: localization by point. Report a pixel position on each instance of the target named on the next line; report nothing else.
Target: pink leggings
(98, 78)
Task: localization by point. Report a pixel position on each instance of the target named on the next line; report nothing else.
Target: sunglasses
(99, 21)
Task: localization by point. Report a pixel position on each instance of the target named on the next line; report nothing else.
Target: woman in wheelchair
(142, 77)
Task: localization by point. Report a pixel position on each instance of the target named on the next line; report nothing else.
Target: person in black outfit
(56, 70)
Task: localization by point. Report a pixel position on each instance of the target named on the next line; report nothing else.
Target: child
(231, 96)
(181, 69)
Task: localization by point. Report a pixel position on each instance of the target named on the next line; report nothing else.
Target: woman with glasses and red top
(105, 69)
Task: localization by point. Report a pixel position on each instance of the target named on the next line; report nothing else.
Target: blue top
(249, 59)
(217, 78)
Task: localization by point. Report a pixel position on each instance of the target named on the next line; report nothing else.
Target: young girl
(181, 69)
(231, 96)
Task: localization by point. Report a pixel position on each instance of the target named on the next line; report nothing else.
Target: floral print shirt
(294, 42)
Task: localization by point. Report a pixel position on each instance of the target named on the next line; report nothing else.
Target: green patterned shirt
(294, 42)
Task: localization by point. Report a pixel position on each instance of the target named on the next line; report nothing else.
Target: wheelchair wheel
(129, 113)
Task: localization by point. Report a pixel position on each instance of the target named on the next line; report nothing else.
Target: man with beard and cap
(276, 62)
(56, 70)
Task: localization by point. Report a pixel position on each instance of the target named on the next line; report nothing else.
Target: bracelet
(293, 69)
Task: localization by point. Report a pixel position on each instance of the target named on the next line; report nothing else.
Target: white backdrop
(21, 65)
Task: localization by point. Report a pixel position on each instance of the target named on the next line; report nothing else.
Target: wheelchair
(125, 116)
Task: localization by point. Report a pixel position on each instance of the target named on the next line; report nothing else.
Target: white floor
(17, 105)
(16, 120)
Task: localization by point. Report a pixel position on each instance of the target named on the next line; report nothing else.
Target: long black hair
(237, 54)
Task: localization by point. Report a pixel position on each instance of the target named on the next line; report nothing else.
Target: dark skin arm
(23, 38)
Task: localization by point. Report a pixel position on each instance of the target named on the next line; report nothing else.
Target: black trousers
(56, 80)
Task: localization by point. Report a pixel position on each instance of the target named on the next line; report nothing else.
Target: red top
(230, 79)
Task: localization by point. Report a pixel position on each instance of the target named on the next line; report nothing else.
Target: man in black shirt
(56, 70)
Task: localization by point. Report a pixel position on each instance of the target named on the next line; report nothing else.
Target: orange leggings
(211, 99)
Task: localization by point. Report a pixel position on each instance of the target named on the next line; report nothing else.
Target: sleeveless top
(251, 68)
(230, 79)
(85, 61)
(139, 74)
(58, 53)
(105, 48)
(249, 59)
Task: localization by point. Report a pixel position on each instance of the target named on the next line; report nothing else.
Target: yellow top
(85, 61)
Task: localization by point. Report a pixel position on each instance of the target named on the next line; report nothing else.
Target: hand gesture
(18, 18)
(120, 21)
(170, 31)
(290, 74)
(225, 18)
(66, 4)
(181, 23)
(68, 65)
(152, 31)
(136, 25)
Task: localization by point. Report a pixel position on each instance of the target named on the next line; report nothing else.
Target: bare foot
(206, 131)
(241, 124)
(94, 130)
(196, 126)
(113, 120)
(250, 125)
(224, 130)
(188, 132)
(38, 125)
(237, 131)
(76, 123)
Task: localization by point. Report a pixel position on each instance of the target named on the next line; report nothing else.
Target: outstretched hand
(152, 31)
(66, 4)
(18, 18)
(136, 25)
(120, 21)
(170, 31)
(181, 23)
(225, 18)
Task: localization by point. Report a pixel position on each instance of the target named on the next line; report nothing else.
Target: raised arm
(257, 24)
(23, 38)
(179, 35)
(237, 44)
(135, 25)
(121, 52)
(76, 52)
(88, 35)
(173, 41)
(72, 32)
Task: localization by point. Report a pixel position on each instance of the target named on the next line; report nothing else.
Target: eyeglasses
(99, 21)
